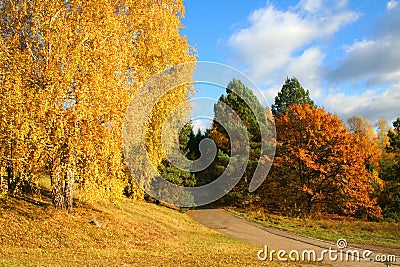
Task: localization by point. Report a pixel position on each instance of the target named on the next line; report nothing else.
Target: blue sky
(347, 53)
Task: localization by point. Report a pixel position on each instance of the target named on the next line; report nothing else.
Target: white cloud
(370, 104)
(307, 67)
(311, 5)
(277, 38)
(371, 63)
(292, 42)
(375, 59)
(201, 124)
(391, 4)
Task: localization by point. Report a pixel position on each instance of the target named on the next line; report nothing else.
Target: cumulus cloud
(295, 42)
(372, 63)
(201, 124)
(392, 4)
(277, 38)
(307, 67)
(370, 104)
(377, 59)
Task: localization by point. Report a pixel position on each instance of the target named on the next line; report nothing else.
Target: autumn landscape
(77, 190)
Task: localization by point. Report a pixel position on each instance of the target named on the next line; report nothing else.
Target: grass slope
(33, 233)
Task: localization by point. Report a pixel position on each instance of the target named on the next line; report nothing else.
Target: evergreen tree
(394, 138)
(393, 148)
(291, 94)
(193, 145)
(389, 200)
(239, 99)
(173, 174)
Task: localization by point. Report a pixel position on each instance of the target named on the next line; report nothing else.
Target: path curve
(276, 239)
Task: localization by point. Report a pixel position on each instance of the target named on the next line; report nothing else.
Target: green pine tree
(248, 109)
(389, 200)
(173, 174)
(292, 93)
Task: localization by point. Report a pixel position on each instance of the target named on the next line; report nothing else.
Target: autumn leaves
(320, 166)
(68, 71)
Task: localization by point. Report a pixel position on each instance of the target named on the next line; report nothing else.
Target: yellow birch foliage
(69, 70)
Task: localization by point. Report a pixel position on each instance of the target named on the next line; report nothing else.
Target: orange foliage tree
(320, 166)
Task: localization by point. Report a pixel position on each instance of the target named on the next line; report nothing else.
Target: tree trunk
(63, 190)
(11, 177)
(57, 192)
(69, 189)
(309, 203)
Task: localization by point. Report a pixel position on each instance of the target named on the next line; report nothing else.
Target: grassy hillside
(33, 233)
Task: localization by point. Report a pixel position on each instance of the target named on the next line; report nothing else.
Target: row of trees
(68, 70)
(321, 164)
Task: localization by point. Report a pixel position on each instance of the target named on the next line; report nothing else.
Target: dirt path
(275, 239)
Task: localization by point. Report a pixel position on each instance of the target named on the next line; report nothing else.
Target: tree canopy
(291, 94)
(239, 99)
(320, 165)
(69, 70)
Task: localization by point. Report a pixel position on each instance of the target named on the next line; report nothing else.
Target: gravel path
(276, 239)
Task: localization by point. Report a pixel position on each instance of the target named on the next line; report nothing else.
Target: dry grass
(355, 231)
(33, 233)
